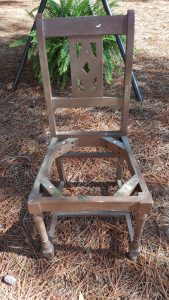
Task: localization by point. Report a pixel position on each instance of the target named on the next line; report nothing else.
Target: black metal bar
(25, 52)
(139, 96)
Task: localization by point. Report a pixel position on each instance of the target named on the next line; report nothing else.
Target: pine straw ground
(90, 253)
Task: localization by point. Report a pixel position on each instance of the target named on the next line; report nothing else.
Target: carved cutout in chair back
(86, 66)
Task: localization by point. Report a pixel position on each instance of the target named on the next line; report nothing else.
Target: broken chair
(132, 196)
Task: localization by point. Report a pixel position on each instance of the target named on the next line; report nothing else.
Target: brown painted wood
(87, 134)
(119, 170)
(90, 154)
(86, 203)
(135, 247)
(45, 72)
(82, 26)
(112, 142)
(86, 83)
(48, 187)
(88, 138)
(56, 149)
(47, 246)
(133, 165)
(49, 204)
(87, 102)
(82, 31)
(60, 169)
(128, 71)
(128, 187)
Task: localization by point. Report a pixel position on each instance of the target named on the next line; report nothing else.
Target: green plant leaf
(18, 43)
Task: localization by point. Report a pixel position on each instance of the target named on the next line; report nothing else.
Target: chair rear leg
(59, 165)
(47, 246)
(119, 170)
(135, 247)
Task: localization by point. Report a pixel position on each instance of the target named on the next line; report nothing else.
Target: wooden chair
(87, 90)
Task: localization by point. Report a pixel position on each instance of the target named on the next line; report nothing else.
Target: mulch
(90, 253)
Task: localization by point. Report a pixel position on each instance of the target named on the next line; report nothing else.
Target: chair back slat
(86, 66)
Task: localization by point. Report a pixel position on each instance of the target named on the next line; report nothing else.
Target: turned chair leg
(135, 246)
(47, 246)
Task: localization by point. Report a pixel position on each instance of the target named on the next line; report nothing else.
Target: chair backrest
(85, 36)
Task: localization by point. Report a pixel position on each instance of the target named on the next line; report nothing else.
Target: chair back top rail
(82, 26)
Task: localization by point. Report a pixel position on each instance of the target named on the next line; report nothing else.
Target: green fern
(57, 48)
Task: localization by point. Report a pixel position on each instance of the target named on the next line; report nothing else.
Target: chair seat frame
(132, 196)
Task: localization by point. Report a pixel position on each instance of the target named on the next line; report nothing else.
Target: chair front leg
(135, 246)
(47, 246)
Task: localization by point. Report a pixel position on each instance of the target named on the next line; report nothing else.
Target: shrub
(57, 48)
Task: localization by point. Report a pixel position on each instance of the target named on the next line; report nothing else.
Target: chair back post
(128, 71)
(45, 72)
